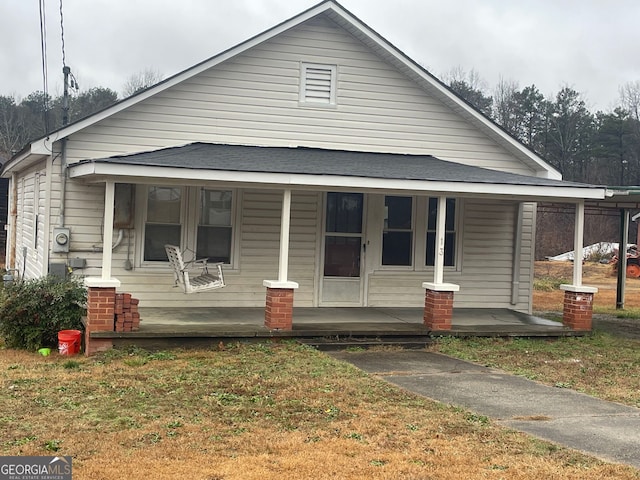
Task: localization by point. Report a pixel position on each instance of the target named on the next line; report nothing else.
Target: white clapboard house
(314, 158)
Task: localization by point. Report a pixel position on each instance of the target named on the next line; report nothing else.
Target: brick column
(578, 306)
(101, 300)
(278, 312)
(438, 305)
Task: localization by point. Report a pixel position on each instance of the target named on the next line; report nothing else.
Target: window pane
(342, 256)
(215, 207)
(155, 238)
(344, 212)
(214, 243)
(397, 248)
(432, 213)
(397, 213)
(163, 205)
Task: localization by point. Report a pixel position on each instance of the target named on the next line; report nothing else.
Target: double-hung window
(409, 232)
(198, 220)
(164, 221)
(397, 236)
(214, 225)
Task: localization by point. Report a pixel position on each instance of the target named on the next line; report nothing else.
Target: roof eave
(95, 172)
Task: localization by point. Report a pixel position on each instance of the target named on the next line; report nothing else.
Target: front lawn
(254, 412)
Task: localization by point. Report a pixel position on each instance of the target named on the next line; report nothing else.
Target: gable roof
(324, 168)
(339, 15)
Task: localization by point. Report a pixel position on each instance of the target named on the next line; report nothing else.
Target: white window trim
(189, 216)
(420, 207)
(303, 98)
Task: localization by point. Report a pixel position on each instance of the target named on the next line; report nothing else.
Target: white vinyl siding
(258, 242)
(485, 278)
(254, 98)
(317, 84)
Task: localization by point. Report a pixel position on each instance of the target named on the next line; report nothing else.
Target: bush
(33, 312)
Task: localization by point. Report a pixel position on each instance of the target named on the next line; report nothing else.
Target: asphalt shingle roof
(317, 161)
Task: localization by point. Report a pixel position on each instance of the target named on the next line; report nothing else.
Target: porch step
(337, 342)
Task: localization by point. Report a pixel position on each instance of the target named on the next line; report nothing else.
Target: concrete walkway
(607, 430)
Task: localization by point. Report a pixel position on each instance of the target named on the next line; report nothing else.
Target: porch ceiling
(322, 169)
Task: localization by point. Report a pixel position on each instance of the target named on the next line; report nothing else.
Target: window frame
(189, 222)
(420, 224)
(411, 230)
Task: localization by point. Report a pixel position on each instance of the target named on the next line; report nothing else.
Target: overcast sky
(592, 46)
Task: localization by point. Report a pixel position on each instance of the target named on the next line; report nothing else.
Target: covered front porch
(326, 326)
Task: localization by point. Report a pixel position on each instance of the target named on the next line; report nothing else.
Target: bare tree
(505, 105)
(140, 81)
(630, 97)
(471, 87)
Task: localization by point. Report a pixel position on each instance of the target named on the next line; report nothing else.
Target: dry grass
(255, 412)
(600, 365)
(594, 274)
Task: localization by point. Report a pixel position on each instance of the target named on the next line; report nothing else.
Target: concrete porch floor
(338, 322)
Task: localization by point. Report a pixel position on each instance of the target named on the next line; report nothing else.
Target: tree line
(592, 147)
(32, 117)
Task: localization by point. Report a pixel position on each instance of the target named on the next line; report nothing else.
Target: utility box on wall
(59, 270)
(61, 240)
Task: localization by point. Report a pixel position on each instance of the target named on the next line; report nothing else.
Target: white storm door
(342, 254)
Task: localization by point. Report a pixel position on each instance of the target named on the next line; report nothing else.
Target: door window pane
(342, 256)
(162, 225)
(397, 237)
(344, 212)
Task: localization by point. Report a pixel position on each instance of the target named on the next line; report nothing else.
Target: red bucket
(69, 342)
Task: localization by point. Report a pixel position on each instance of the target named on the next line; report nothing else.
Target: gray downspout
(517, 253)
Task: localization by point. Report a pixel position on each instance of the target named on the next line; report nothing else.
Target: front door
(342, 257)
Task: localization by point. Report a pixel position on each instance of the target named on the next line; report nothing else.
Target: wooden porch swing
(200, 282)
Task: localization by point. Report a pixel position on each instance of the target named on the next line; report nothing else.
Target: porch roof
(323, 168)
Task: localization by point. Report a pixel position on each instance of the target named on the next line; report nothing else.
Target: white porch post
(283, 265)
(578, 239)
(578, 299)
(438, 267)
(105, 280)
(109, 202)
(279, 302)
(438, 301)
(101, 293)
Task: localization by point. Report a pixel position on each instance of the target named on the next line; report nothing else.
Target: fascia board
(92, 171)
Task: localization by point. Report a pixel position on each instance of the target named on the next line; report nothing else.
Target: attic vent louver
(318, 84)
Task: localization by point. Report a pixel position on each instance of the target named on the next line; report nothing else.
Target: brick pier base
(578, 307)
(100, 314)
(438, 305)
(278, 312)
